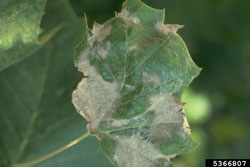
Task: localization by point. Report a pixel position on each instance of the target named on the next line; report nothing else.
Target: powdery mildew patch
(99, 33)
(103, 51)
(94, 98)
(135, 19)
(149, 79)
(168, 114)
(125, 14)
(169, 119)
(137, 152)
(119, 123)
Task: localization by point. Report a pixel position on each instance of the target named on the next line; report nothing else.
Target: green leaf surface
(19, 28)
(36, 113)
(135, 70)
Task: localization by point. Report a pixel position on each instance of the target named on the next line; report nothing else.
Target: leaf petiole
(53, 153)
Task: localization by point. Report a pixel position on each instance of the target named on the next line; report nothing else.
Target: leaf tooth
(167, 28)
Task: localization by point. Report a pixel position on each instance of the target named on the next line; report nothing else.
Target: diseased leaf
(36, 113)
(135, 70)
(19, 29)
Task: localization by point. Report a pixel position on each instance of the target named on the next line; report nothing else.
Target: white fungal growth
(135, 19)
(129, 87)
(99, 33)
(167, 28)
(166, 108)
(132, 48)
(159, 26)
(135, 151)
(124, 12)
(94, 98)
(120, 122)
(168, 117)
(103, 51)
(148, 79)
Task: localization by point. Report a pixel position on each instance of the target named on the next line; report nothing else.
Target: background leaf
(19, 29)
(36, 113)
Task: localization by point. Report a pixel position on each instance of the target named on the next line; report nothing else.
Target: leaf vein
(35, 112)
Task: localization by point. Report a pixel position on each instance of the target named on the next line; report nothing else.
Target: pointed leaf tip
(147, 15)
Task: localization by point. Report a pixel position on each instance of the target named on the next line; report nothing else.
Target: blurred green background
(217, 34)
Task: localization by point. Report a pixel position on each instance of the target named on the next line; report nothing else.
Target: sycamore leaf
(135, 70)
(19, 28)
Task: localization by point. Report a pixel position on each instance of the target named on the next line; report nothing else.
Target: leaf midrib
(125, 54)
